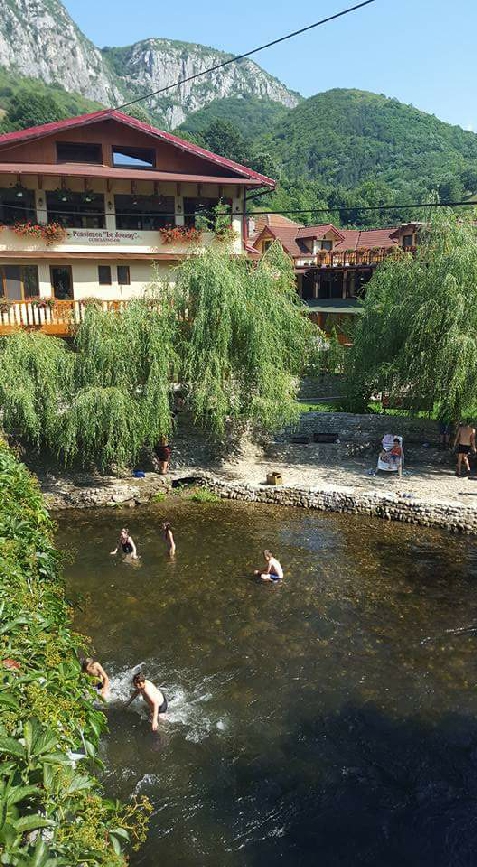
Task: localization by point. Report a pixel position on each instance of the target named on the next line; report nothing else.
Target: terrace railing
(47, 315)
(345, 259)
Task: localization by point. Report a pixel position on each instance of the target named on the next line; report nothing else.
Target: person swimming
(169, 538)
(152, 696)
(126, 543)
(95, 669)
(273, 572)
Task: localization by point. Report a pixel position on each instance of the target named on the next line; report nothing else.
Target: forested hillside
(252, 116)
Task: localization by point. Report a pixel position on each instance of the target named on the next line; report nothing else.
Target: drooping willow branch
(416, 338)
(234, 334)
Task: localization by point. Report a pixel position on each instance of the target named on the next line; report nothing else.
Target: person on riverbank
(126, 543)
(465, 443)
(163, 452)
(95, 669)
(169, 539)
(152, 696)
(273, 572)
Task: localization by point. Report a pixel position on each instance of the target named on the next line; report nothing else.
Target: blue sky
(420, 51)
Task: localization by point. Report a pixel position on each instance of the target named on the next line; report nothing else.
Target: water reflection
(330, 718)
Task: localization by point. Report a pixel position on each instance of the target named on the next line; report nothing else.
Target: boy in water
(95, 669)
(273, 572)
(152, 696)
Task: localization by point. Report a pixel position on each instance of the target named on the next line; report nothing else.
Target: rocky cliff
(38, 38)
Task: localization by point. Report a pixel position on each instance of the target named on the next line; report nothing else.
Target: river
(328, 721)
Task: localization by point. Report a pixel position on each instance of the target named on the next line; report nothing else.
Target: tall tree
(417, 335)
(31, 108)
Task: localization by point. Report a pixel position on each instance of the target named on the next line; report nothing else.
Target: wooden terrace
(48, 316)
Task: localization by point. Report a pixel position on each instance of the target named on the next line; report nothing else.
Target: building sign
(102, 236)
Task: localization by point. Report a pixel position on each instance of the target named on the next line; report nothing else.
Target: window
(139, 158)
(104, 275)
(17, 205)
(326, 245)
(18, 282)
(407, 241)
(76, 210)
(124, 275)
(62, 282)
(330, 285)
(200, 212)
(78, 152)
(266, 245)
(144, 213)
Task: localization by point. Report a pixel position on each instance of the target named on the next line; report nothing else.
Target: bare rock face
(38, 38)
(155, 63)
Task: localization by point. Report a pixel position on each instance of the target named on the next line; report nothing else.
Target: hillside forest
(332, 155)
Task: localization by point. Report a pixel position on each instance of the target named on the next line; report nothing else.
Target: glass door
(61, 282)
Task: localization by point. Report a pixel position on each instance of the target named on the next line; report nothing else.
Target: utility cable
(245, 55)
(323, 210)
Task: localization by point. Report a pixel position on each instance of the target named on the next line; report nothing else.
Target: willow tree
(122, 374)
(233, 332)
(36, 374)
(416, 338)
(243, 340)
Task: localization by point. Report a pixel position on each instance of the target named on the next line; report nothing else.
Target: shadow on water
(356, 788)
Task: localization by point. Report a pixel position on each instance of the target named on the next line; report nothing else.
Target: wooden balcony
(47, 316)
(345, 259)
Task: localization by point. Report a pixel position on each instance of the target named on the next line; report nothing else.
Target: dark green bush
(52, 813)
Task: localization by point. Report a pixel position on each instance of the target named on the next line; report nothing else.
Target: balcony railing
(345, 259)
(47, 315)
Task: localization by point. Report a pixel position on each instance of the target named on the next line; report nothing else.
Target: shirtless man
(169, 539)
(465, 443)
(273, 572)
(95, 669)
(152, 695)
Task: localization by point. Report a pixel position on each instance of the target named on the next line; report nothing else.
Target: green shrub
(46, 705)
(204, 495)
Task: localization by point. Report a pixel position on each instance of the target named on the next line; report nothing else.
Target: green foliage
(252, 116)
(204, 495)
(46, 705)
(416, 339)
(244, 340)
(28, 101)
(36, 370)
(234, 334)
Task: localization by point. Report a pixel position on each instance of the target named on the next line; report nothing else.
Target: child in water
(95, 669)
(152, 696)
(169, 538)
(126, 543)
(273, 572)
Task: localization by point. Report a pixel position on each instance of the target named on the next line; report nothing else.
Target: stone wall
(321, 387)
(391, 506)
(363, 428)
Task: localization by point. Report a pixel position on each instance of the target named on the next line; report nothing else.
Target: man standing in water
(152, 696)
(465, 443)
(273, 572)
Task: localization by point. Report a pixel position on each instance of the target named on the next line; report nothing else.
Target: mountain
(351, 136)
(38, 38)
(252, 116)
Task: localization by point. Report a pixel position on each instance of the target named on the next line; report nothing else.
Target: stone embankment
(88, 492)
(398, 506)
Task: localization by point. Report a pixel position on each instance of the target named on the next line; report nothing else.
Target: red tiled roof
(285, 234)
(318, 232)
(46, 129)
(262, 220)
(366, 239)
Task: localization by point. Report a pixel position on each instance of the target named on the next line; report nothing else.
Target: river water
(329, 721)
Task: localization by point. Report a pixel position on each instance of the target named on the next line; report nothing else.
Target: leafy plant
(51, 812)
(204, 495)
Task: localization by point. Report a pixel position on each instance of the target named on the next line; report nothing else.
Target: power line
(322, 210)
(246, 54)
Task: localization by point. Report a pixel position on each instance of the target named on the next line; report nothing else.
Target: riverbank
(333, 476)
